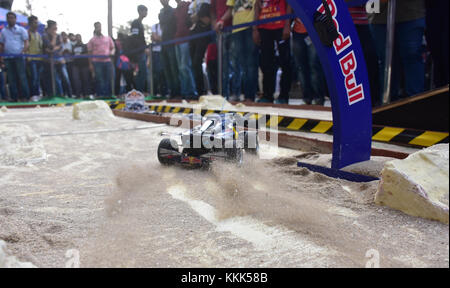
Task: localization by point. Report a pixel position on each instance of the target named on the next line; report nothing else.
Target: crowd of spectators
(260, 63)
(38, 65)
(281, 53)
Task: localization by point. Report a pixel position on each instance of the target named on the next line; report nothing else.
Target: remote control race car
(218, 138)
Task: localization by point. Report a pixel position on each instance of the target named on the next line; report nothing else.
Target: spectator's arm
(227, 16)
(256, 36)
(2, 49)
(287, 24)
(90, 50)
(25, 46)
(112, 47)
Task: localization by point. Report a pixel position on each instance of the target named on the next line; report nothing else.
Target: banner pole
(390, 44)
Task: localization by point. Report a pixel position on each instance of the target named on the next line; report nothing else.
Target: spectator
(200, 15)
(158, 70)
(67, 52)
(307, 65)
(272, 37)
(35, 65)
(167, 21)
(14, 40)
(139, 45)
(212, 67)
(182, 51)
(53, 47)
(244, 50)
(230, 78)
(123, 67)
(72, 39)
(361, 20)
(2, 83)
(101, 67)
(437, 38)
(80, 69)
(409, 33)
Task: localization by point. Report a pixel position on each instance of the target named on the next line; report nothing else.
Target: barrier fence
(220, 46)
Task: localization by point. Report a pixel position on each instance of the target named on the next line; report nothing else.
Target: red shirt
(211, 53)
(359, 15)
(181, 14)
(271, 9)
(299, 27)
(219, 7)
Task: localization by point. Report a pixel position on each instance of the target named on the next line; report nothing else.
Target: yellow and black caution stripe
(116, 105)
(393, 135)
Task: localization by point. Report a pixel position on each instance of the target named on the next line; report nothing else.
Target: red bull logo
(348, 62)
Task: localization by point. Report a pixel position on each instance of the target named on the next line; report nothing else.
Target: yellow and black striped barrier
(380, 134)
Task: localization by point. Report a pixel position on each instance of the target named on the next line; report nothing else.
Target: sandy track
(106, 195)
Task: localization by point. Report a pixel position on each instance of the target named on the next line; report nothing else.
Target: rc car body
(219, 137)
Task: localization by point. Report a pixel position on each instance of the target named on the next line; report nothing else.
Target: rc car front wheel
(168, 152)
(236, 156)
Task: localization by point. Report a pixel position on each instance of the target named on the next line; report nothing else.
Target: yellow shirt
(35, 46)
(243, 12)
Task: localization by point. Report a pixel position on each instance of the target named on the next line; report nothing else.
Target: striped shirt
(359, 15)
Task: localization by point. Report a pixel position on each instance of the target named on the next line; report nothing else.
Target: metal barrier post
(390, 43)
(220, 63)
(113, 77)
(152, 82)
(52, 74)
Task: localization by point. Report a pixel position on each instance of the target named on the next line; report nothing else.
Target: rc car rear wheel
(168, 152)
(235, 156)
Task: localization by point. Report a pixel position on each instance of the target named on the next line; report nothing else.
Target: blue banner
(345, 69)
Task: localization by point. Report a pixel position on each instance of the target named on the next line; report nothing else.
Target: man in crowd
(307, 65)
(67, 51)
(272, 37)
(409, 32)
(139, 47)
(52, 43)
(167, 21)
(230, 78)
(158, 69)
(361, 21)
(101, 68)
(200, 15)
(124, 68)
(437, 38)
(80, 69)
(182, 51)
(35, 65)
(14, 40)
(244, 50)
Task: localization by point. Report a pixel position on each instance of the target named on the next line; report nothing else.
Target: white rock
(10, 261)
(4, 109)
(97, 111)
(418, 185)
(20, 145)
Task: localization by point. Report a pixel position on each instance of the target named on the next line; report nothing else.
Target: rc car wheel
(167, 153)
(235, 156)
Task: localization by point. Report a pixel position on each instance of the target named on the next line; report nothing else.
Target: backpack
(123, 62)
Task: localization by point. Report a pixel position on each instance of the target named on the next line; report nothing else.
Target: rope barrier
(170, 42)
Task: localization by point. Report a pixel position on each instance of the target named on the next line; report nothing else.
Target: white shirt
(156, 29)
